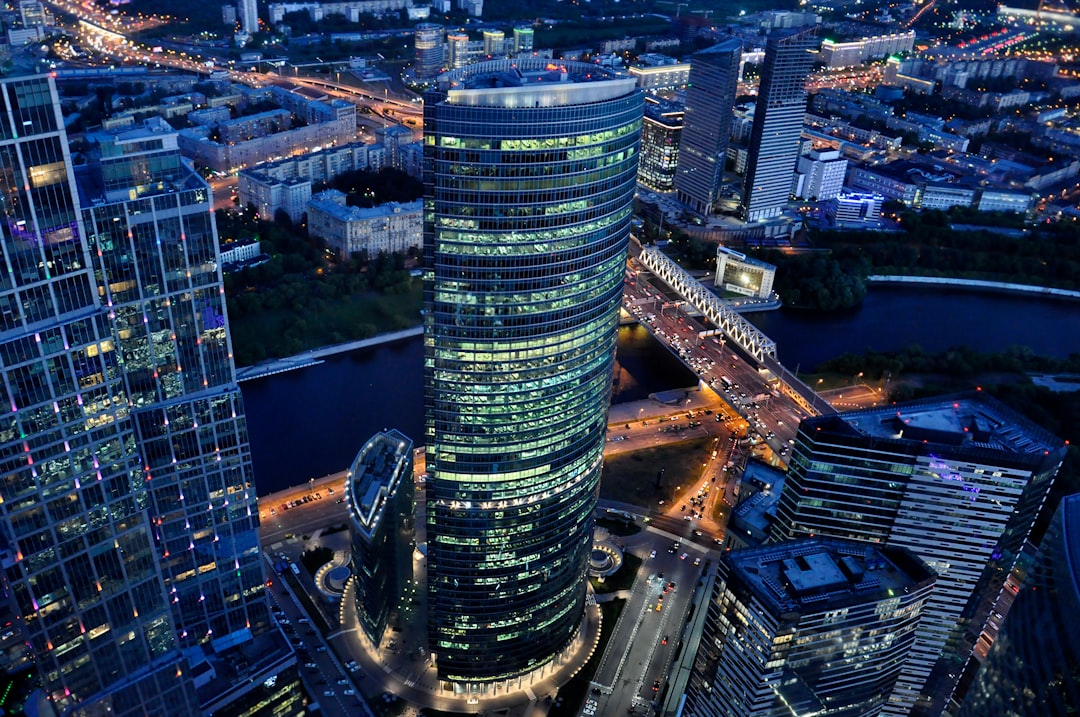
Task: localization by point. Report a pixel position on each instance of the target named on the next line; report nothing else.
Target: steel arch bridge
(735, 327)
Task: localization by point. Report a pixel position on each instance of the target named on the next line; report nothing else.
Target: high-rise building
(523, 39)
(494, 41)
(248, 10)
(530, 175)
(128, 511)
(714, 74)
(1031, 669)
(958, 480)
(778, 121)
(379, 492)
(807, 627)
(457, 50)
(660, 135)
(428, 43)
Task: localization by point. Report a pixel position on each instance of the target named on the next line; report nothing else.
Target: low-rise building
(281, 185)
(269, 194)
(388, 227)
(854, 209)
(855, 52)
(229, 145)
(655, 72)
(741, 274)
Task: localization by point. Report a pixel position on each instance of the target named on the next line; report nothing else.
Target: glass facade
(660, 145)
(126, 506)
(530, 173)
(710, 96)
(778, 119)
(807, 627)
(958, 480)
(379, 491)
(1032, 668)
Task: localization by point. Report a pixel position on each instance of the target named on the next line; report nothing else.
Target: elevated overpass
(737, 329)
(744, 334)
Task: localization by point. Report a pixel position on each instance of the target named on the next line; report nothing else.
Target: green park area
(303, 297)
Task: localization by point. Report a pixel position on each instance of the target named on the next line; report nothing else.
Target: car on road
(328, 693)
(697, 561)
(683, 556)
(311, 666)
(343, 681)
(656, 686)
(349, 691)
(664, 641)
(652, 554)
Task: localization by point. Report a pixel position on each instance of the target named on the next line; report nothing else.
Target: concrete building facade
(389, 227)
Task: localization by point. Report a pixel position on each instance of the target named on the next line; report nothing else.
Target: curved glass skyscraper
(530, 170)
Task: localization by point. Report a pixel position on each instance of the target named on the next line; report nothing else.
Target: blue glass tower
(530, 172)
(127, 513)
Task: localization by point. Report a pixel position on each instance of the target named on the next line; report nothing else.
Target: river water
(312, 421)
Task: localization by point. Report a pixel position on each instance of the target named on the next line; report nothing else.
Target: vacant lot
(632, 477)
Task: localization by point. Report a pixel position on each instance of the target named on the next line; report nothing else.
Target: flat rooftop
(969, 420)
(375, 475)
(532, 83)
(817, 574)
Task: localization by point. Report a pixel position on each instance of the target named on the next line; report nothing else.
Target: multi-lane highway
(772, 417)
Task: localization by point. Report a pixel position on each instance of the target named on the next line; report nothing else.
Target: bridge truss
(735, 327)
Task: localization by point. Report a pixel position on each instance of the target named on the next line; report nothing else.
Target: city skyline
(589, 402)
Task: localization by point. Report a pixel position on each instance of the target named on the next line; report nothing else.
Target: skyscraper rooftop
(974, 421)
(824, 573)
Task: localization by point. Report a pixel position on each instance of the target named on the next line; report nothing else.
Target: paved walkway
(414, 679)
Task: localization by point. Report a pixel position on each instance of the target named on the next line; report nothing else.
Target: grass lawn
(572, 694)
(623, 579)
(631, 477)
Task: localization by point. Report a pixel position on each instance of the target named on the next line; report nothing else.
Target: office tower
(249, 15)
(778, 122)
(660, 135)
(457, 46)
(958, 480)
(379, 492)
(128, 511)
(1031, 670)
(710, 96)
(494, 40)
(530, 174)
(523, 39)
(428, 43)
(807, 627)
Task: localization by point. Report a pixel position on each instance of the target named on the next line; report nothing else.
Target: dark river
(311, 422)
